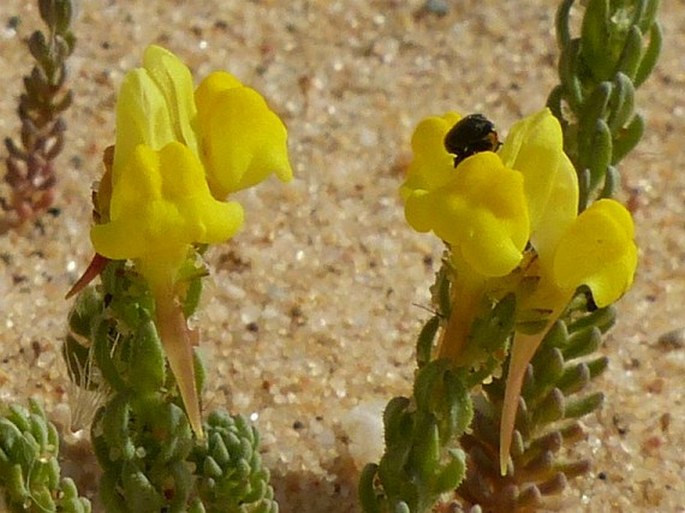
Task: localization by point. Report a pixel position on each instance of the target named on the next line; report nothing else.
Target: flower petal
(243, 141)
(598, 250)
(559, 212)
(490, 247)
(480, 212)
(175, 82)
(209, 90)
(432, 165)
(142, 118)
(160, 204)
(535, 147)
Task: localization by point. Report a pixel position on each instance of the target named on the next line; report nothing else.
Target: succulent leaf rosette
(179, 152)
(515, 210)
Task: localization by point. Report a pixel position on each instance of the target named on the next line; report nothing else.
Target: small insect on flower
(470, 135)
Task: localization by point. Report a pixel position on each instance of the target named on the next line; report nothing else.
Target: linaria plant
(30, 162)
(30, 478)
(536, 253)
(179, 153)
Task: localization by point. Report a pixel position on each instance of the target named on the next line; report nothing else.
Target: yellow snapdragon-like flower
(479, 208)
(595, 248)
(160, 206)
(178, 154)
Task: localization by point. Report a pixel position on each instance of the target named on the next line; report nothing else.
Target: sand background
(312, 309)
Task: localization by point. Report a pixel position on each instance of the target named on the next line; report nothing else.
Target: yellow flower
(595, 248)
(160, 206)
(479, 208)
(178, 153)
(490, 208)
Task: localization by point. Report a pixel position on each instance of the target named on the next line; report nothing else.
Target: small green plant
(30, 479)
(599, 71)
(31, 160)
(231, 478)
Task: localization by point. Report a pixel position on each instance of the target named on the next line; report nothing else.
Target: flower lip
(598, 250)
(160, 202)
(535, 147)
(432, 165)
(480, 212)
(242, 140)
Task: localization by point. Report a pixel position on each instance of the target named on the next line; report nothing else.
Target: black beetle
(470, 135)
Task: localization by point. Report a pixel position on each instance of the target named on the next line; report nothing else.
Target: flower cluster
(179, 152)
(493, 204)
(516, 211)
